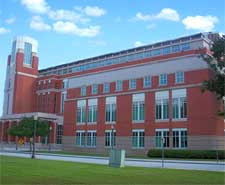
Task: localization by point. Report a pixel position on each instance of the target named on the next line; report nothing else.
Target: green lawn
(28, 171)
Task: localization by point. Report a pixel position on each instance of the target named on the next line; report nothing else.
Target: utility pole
(34, 136)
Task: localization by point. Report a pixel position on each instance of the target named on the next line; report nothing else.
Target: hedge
(188, 154)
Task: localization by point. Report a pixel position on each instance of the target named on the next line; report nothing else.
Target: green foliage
(27, 126)
(187, 154)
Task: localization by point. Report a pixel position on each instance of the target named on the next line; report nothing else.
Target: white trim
(179, 129)
(162, 129)
(26, 74)
(138, 130)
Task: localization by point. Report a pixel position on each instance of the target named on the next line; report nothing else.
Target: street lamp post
(49, 144)
(163, 141)
(34, 138)
(112, 136)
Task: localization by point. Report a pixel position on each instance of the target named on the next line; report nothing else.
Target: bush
(187, 154)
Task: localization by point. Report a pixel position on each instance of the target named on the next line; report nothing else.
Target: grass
(27, 171)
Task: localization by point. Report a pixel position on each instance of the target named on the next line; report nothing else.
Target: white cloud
(201, 23)
(4, 30)
(151, 26)
(38, 24)
(138, 43)
(36, 6)
(10, 20)
(94, 11)
(71, 28)
(164, 14)
(67, 15)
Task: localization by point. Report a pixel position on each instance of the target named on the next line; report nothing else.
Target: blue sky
(69, 30)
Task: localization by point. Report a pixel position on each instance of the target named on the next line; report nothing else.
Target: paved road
(175, 164)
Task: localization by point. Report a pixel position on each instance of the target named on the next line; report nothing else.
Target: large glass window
(138, 108)
(110, 109)
(163, 79)
(27, 53)
(80, 138)
(63, 98)
(180, 138)
(132, 84)
(59, 134)
(110, 138)
(175, 48)
(162, 105)
(147, 81)
(119, 85)
(179, 77)
(185, 46)
(138, 138)
(179, 104)
(91, 138)
(162, 137)
(166, 50)
(92, 110)
(81, 111)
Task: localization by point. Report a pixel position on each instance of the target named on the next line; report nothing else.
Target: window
(179, 103)
(185, 46)
(83, 91)
(81, 111)
(59, 134)
(163, 79)
(49, 84)
(110, 109)
(119, 85)
(156, 52)
(138, 107)
(27, 54)
(92, 110)
(65, 83)
(176, 48)
(94, 89)
(80, 138)
(162, 105)
(110, 138)
(48, 102)
(43, 102)
(91, 138)
(63, 98)
(147, 81)
(106, 87)
(138, 138)
(166, 51)
(161, 137)
(179, 77)
(132, 84)
(180, 138)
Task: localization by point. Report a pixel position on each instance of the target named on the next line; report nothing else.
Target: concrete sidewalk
(173, 164)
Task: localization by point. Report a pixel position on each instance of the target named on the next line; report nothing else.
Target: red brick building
(129, 99)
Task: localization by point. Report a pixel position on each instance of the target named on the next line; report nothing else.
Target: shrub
(187, 154)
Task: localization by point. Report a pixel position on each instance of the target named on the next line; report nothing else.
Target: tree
(216, 62)
(31, 128)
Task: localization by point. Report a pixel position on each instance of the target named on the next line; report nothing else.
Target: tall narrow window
(80, 138)
(92, 110)
(94, 89)
(179, 104)
(27, 53)
(48, 102)
(147, 81)
(63, 98)
(106, 87)
(55, 103)
(43, 102)
(138, 107)
(81, 111)
(179, 77)
(110, 109)
(59, 134)
(180, 138)
(110, 138)
(91, 138)
(162, 138)
(65, 83)
(163, 79)
(132, 84)
(162, 105)
(83, 91)
(138, 138)
(119, 85)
